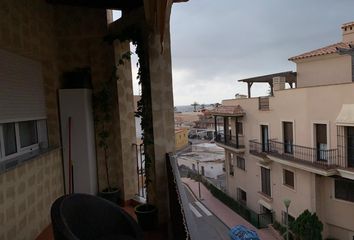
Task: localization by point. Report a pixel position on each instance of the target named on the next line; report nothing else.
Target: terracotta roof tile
(322, 51)
(347, 24)
(228, 111)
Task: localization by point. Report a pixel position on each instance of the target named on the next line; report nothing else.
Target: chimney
(278, 83)
(348, 32)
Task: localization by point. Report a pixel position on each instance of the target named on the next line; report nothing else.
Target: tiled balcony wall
(26, 194)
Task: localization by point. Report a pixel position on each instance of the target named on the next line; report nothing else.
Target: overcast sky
(217, 42)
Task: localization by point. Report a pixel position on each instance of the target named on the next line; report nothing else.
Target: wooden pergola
(290, 78)
(107, 4)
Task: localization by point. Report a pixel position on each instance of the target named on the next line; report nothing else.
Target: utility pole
(287, 205)
(199, 179)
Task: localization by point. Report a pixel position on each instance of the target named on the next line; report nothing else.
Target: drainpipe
(237, 143)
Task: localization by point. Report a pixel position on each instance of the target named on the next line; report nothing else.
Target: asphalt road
(209, 226)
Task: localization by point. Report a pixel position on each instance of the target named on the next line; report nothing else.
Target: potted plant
(147, 213)
(104, 104)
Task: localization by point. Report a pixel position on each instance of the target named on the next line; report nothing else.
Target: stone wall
(80, 33)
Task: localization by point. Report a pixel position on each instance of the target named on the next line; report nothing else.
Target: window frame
(263, 190)
(284, 178)
(335, 192)
(20, 150)
(241, 166)
(239, 127)
(3, 156)
(29, 147)
(240, 191)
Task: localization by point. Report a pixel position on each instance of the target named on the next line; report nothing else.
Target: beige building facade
(297, 144)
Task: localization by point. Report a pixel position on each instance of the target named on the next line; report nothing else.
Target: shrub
(307, 226)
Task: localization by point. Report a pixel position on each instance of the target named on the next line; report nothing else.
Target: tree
(307, 226)
(195, 104)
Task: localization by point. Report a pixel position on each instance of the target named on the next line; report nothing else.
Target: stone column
(125, 134)
(162, 116)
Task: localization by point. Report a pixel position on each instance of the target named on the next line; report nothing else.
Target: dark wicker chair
(86, 217)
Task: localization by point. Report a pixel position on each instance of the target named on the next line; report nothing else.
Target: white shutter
(21, 89)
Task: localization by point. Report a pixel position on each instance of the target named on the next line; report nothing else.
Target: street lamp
(198, 180)
(287, 205)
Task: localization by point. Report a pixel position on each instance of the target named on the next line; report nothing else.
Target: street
(209, 226)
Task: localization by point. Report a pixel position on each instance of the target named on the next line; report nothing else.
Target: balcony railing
(140, 165)
(183, 224)
(291, 152)
(231, 141)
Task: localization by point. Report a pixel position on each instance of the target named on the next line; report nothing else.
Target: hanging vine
(135, 34)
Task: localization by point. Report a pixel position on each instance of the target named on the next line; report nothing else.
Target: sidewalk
(225, 214)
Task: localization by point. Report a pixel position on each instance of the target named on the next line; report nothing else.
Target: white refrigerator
(78, 140)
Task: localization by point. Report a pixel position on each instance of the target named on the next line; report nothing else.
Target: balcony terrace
(229, 135)
(291, 154)
(236, 142)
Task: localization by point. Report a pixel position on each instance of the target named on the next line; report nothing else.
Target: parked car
(240, 232)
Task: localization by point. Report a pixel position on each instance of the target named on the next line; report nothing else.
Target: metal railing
(259, 220)
(231, 141)
(292, 152)
(183, 223)
(140, 169)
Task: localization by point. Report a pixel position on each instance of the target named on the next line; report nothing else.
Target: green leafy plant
(307, 226)
(105, 103)
(138, 36)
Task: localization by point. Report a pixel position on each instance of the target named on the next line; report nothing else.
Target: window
(265, 175)
(232, 170)
(9, 138)
(321, 141)
(240, 162)
(288, 178)
(291, 219)
(28, 133)
(18, 138)
(344, 189)
(241, 196)
(239, 128)
(288, 137)
(231, 165)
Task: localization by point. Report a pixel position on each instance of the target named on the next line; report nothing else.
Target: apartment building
(297, 143)
(40, 41)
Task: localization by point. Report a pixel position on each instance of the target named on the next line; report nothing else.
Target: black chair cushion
(87, 217)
